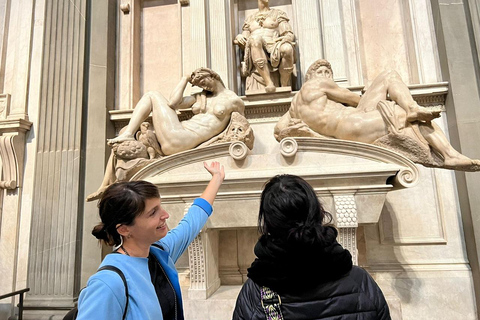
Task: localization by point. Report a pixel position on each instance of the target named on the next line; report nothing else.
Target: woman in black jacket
(301, 271)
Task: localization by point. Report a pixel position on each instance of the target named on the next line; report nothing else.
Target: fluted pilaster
(56, 198)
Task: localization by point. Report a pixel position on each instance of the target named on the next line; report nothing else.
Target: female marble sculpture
(212, 108)
(400, 124)
(267, 38)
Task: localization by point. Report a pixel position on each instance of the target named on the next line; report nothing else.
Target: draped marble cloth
(405, 137)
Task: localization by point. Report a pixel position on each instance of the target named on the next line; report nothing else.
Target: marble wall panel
(161, 46)
(383, 44)
(428, 295)
(415, 216)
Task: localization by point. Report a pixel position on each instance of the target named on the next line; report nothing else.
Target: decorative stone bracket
(12, 146)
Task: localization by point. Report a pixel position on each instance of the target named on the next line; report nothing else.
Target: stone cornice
(14, 125)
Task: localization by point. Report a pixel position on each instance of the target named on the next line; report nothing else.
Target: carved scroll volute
(12, 154)
(12, 151)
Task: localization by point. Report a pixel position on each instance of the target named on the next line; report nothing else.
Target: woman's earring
(115, 248)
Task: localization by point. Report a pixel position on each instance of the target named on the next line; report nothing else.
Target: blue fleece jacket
(104, 295)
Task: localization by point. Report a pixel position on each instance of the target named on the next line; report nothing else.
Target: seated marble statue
(212, 109)
(268, 43)
(322, 108)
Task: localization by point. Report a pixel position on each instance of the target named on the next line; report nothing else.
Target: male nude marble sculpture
(268, 43)
(336, 112)
(212, 109)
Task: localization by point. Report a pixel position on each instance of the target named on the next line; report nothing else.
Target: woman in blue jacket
(134, 221)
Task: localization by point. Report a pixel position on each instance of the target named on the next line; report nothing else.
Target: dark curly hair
(290, 211)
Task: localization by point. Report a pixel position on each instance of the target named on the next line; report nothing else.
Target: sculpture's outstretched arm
(339, 94)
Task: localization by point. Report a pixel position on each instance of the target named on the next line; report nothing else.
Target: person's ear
(123, 230)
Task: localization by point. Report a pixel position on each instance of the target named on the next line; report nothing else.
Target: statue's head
(204, 77)
(144, 127)
(320, 68)
(239, 130)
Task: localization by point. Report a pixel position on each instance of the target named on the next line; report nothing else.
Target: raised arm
(177, 100)
(339, 94)
(177, 240)
(218, 175)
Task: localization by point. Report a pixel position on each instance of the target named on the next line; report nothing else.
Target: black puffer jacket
(354, 296)
(314, 281)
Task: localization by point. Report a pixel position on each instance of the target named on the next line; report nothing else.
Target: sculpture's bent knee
(286, 50)
(256, 41)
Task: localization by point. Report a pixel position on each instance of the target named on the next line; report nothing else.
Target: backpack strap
(156, 245)
(120, 273)
(271, 303)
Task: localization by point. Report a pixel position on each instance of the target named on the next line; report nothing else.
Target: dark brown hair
(121, 203)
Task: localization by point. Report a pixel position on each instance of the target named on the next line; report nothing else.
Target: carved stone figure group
(319, 109)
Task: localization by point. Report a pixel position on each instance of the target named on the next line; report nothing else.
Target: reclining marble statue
(268, 43)
(323, 109)
(212, 113)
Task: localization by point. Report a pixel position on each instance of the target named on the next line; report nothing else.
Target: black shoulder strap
(157, 246)
(120, 273)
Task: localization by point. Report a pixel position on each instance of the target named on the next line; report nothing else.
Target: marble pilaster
(101, 93)
(129, 53)
(347, 223)
(198, 48)
(221, 54)
(309, 33)
(57, 196)
(461, 70)
(425, 42)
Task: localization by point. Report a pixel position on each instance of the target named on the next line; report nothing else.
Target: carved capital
(184, 2)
